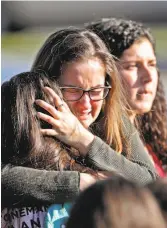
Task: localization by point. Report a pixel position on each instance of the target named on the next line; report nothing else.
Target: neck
(132, 117)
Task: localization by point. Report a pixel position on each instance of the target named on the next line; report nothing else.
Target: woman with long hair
(133, 45)
(24, 145)
(92, 118)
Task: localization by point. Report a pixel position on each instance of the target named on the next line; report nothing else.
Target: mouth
(144, 94)
(145, 91)
(84, 115)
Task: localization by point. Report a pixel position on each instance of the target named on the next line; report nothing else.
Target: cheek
(96, 107)
(155, 82)
(129, 78)
(130, 83)
(72, 106)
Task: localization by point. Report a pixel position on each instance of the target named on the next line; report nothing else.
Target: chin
(142, 107)
(144, 110)
(86, 122)
(86, 125)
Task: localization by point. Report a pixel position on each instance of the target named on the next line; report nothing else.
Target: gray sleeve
(138, 168)
(27, 186)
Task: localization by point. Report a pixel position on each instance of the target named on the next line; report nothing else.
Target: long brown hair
(73, 44)
(153, 125)
(118, 35)
(22, 142)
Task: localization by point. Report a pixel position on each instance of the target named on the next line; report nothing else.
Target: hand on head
(65, 125)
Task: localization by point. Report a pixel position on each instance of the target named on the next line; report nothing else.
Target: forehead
(88, 72)
(140, 49)
(93, 62)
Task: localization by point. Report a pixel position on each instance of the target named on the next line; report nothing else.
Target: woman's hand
(65, 125)
(87, 179)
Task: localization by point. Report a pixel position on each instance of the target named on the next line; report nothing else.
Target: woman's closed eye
(72, 90)
(152, 64)
(96, 91)
(131, 66)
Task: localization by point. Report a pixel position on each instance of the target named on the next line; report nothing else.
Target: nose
(146, 74)
(85, 100)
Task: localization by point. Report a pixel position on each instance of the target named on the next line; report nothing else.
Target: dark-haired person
(92, 118)
(115, 203)
(159, 190)
(24, 145)
(134, 46)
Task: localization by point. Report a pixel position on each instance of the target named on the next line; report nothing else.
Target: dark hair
(72, 45)
(153, 125)
(22, 142)
(115, 203)
(119, 35)
(159, 190)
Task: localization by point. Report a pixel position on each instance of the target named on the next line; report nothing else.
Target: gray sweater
(22, 186)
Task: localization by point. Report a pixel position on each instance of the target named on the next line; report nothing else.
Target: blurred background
(26, 24)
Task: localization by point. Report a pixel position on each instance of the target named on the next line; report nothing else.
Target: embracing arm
(22, 186)
(137, 168)
(27, 186)
(67, 128)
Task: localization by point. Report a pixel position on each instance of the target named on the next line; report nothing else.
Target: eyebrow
(136, 60)
(72, 86)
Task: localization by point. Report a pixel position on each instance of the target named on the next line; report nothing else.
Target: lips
(84, 114)
(145, 94)
(145, 91)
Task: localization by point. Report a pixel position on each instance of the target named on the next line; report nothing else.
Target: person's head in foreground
(116, 203)
(159, 190)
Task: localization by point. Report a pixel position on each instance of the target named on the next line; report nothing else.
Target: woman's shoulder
(128, 127)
